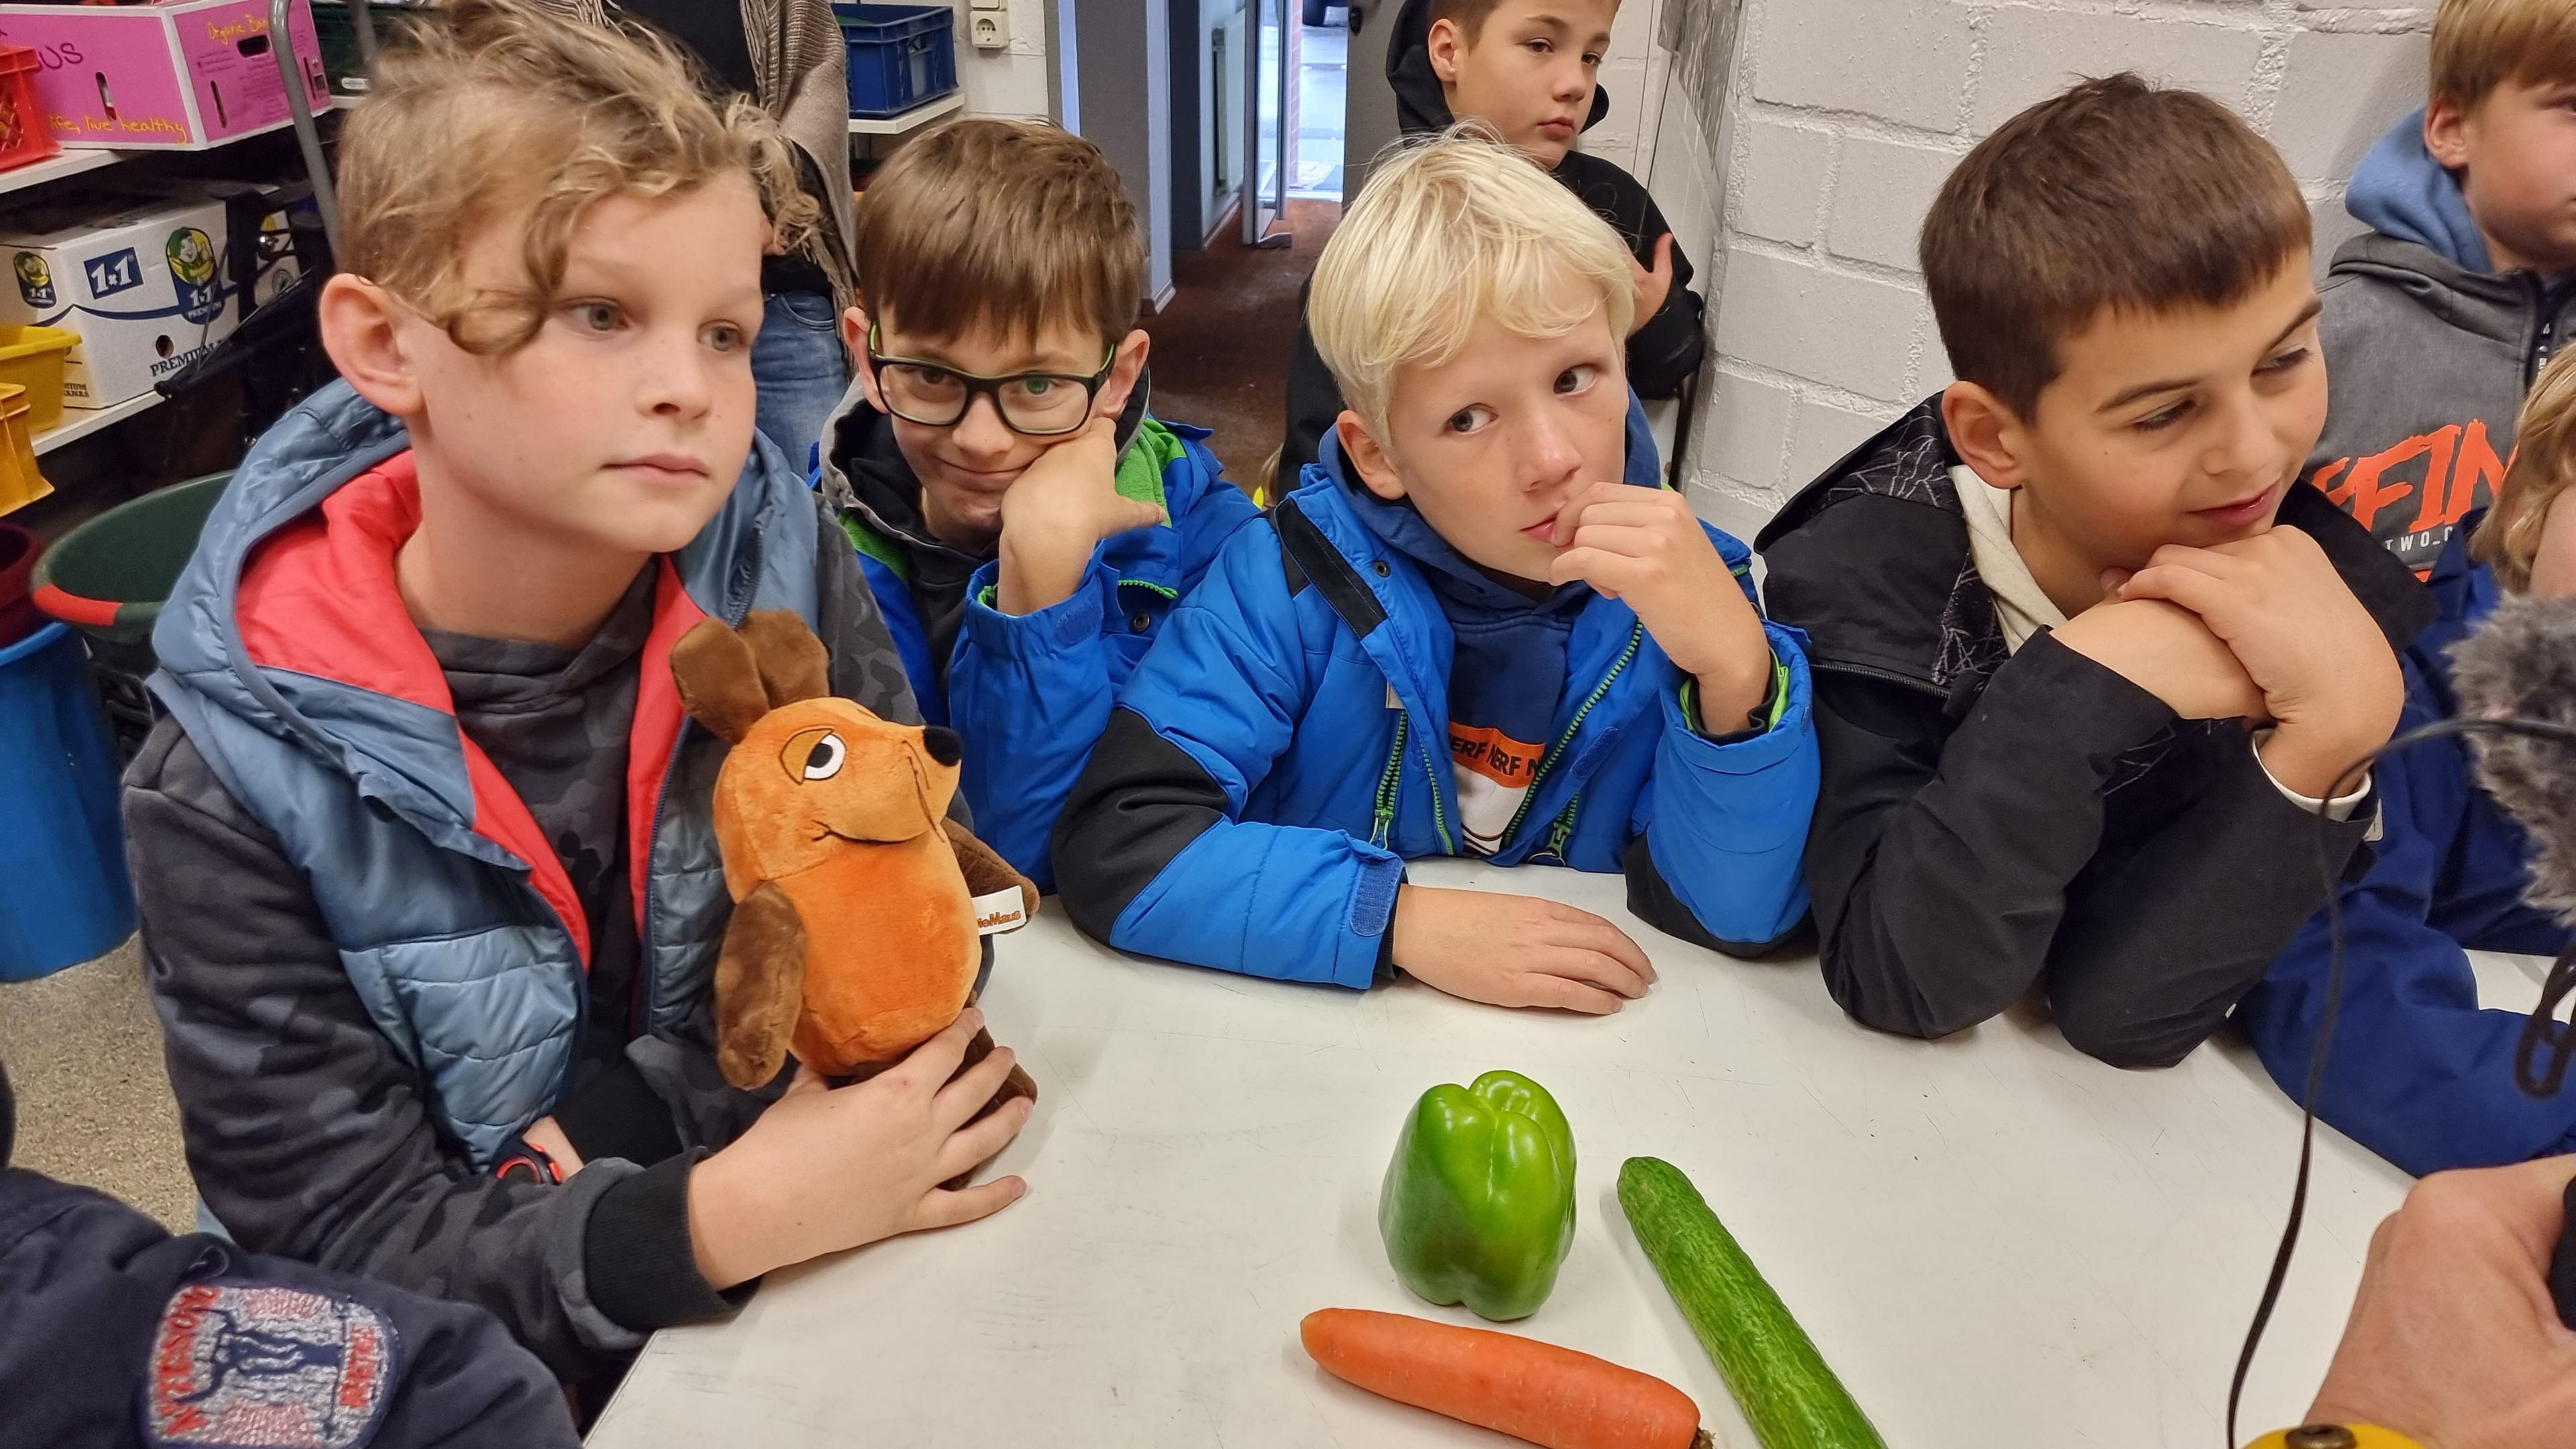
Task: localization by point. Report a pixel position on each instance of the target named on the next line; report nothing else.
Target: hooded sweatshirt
(1663, 354)
(2430, 350)
(111, 1329)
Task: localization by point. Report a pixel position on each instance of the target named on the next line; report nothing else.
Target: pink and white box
(163, 76)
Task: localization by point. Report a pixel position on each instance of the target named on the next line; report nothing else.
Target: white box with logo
(144, 285)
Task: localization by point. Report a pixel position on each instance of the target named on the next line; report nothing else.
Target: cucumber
(1789, 1396)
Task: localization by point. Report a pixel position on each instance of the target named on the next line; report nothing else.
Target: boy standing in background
(1526, 69)
(2439, 317)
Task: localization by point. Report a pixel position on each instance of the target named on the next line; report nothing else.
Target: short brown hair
(2480, 44)
(1471, 15)
(2544, 466)
(492, 110)
(1017, 225)
(2115, 195)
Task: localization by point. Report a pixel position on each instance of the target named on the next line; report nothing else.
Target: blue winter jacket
(1283, 750)
(2419, 1074)
(1029, 693)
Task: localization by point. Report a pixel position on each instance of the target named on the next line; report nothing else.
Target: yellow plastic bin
(32, 358)
(20, 483)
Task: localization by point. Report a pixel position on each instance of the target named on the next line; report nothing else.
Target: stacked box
(143, 284)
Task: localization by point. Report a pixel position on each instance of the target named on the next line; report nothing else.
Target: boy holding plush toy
(432, 883)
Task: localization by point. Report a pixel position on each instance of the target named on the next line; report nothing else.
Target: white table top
(1994, 1240)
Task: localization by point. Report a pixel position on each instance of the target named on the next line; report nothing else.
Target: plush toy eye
(825, 760)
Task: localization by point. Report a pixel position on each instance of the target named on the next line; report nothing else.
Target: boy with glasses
(1025, 524)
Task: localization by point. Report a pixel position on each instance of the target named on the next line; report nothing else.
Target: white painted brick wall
(1842, 120)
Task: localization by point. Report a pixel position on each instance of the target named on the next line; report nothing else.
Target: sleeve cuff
(1042, 633)
(618, 1114)
(1764, 717)
(636, 1253)
(2339, 808)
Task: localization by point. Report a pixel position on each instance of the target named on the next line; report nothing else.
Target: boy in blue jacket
(2420, 1074)
(1024, 523)
(1483, 559)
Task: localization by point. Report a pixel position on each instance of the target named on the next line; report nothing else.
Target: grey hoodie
(2429, 353)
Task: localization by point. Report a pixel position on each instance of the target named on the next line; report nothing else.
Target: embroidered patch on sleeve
(238, 1365)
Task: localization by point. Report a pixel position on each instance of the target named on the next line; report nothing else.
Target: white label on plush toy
(1001, 911)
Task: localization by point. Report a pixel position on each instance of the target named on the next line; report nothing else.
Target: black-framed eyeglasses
(935, 395)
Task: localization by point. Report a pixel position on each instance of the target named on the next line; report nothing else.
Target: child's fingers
(935, 1060)
(974, 1087)
(1597, 933)
(1565, 994)
(976, 1142)
(1593, 963)
(942, 1208)
(2201, 593)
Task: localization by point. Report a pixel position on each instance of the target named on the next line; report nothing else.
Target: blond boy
(1482, 630)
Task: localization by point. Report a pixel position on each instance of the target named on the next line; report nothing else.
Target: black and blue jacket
(1283, 750)
(2419, 1073)
(1028, 693)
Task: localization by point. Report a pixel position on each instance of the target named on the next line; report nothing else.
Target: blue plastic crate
(900, 55)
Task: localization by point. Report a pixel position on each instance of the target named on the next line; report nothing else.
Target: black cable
(2543, 1025)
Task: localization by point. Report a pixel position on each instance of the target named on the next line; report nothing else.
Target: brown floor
(84, 1055)
(1221, 348)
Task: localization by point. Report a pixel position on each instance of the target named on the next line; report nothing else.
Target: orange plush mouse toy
(854, 935)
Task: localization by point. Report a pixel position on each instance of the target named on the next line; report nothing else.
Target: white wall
(1840, 119)
(1011, 82)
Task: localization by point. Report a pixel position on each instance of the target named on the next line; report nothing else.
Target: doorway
(1323, 81)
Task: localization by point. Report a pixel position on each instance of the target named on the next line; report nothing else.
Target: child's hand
(1056, 514)
(829, 1168)
(1644, 546)
(2167, 651)
(1652, 286)
(1516, 950)
(2326, 671)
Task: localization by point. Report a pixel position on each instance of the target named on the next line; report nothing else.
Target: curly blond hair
(493, 113)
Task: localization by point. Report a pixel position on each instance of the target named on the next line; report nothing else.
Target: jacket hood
(287, 616)
(2399, 190)
(863, 469)
(1420, 103)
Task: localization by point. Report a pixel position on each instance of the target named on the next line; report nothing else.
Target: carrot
(1549, 1396)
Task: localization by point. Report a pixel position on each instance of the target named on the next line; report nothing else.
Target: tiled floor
(84, 1056)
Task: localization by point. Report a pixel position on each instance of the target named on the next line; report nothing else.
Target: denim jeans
(801, 371)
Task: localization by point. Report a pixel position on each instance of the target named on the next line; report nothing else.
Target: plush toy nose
(943, 744)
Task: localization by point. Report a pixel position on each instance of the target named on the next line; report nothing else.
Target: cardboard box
(146, 287)
(175, 76)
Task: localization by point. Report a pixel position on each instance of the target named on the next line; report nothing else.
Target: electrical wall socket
(988, 29)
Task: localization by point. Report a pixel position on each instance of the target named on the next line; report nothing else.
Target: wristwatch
(2335, 1436)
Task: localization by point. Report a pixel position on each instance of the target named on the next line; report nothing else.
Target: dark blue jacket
(111, 1329)
(1273, 763)
(2419, 1074)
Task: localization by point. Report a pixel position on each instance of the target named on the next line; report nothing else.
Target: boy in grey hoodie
(2438, 318)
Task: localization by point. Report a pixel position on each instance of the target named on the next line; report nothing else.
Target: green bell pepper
(1478, 1205)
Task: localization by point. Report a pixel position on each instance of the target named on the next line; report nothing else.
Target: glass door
(1267, 133)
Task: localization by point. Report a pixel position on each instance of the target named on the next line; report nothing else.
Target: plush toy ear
(760, 986)
(719, 679)
(984, 868)
(794, 664)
